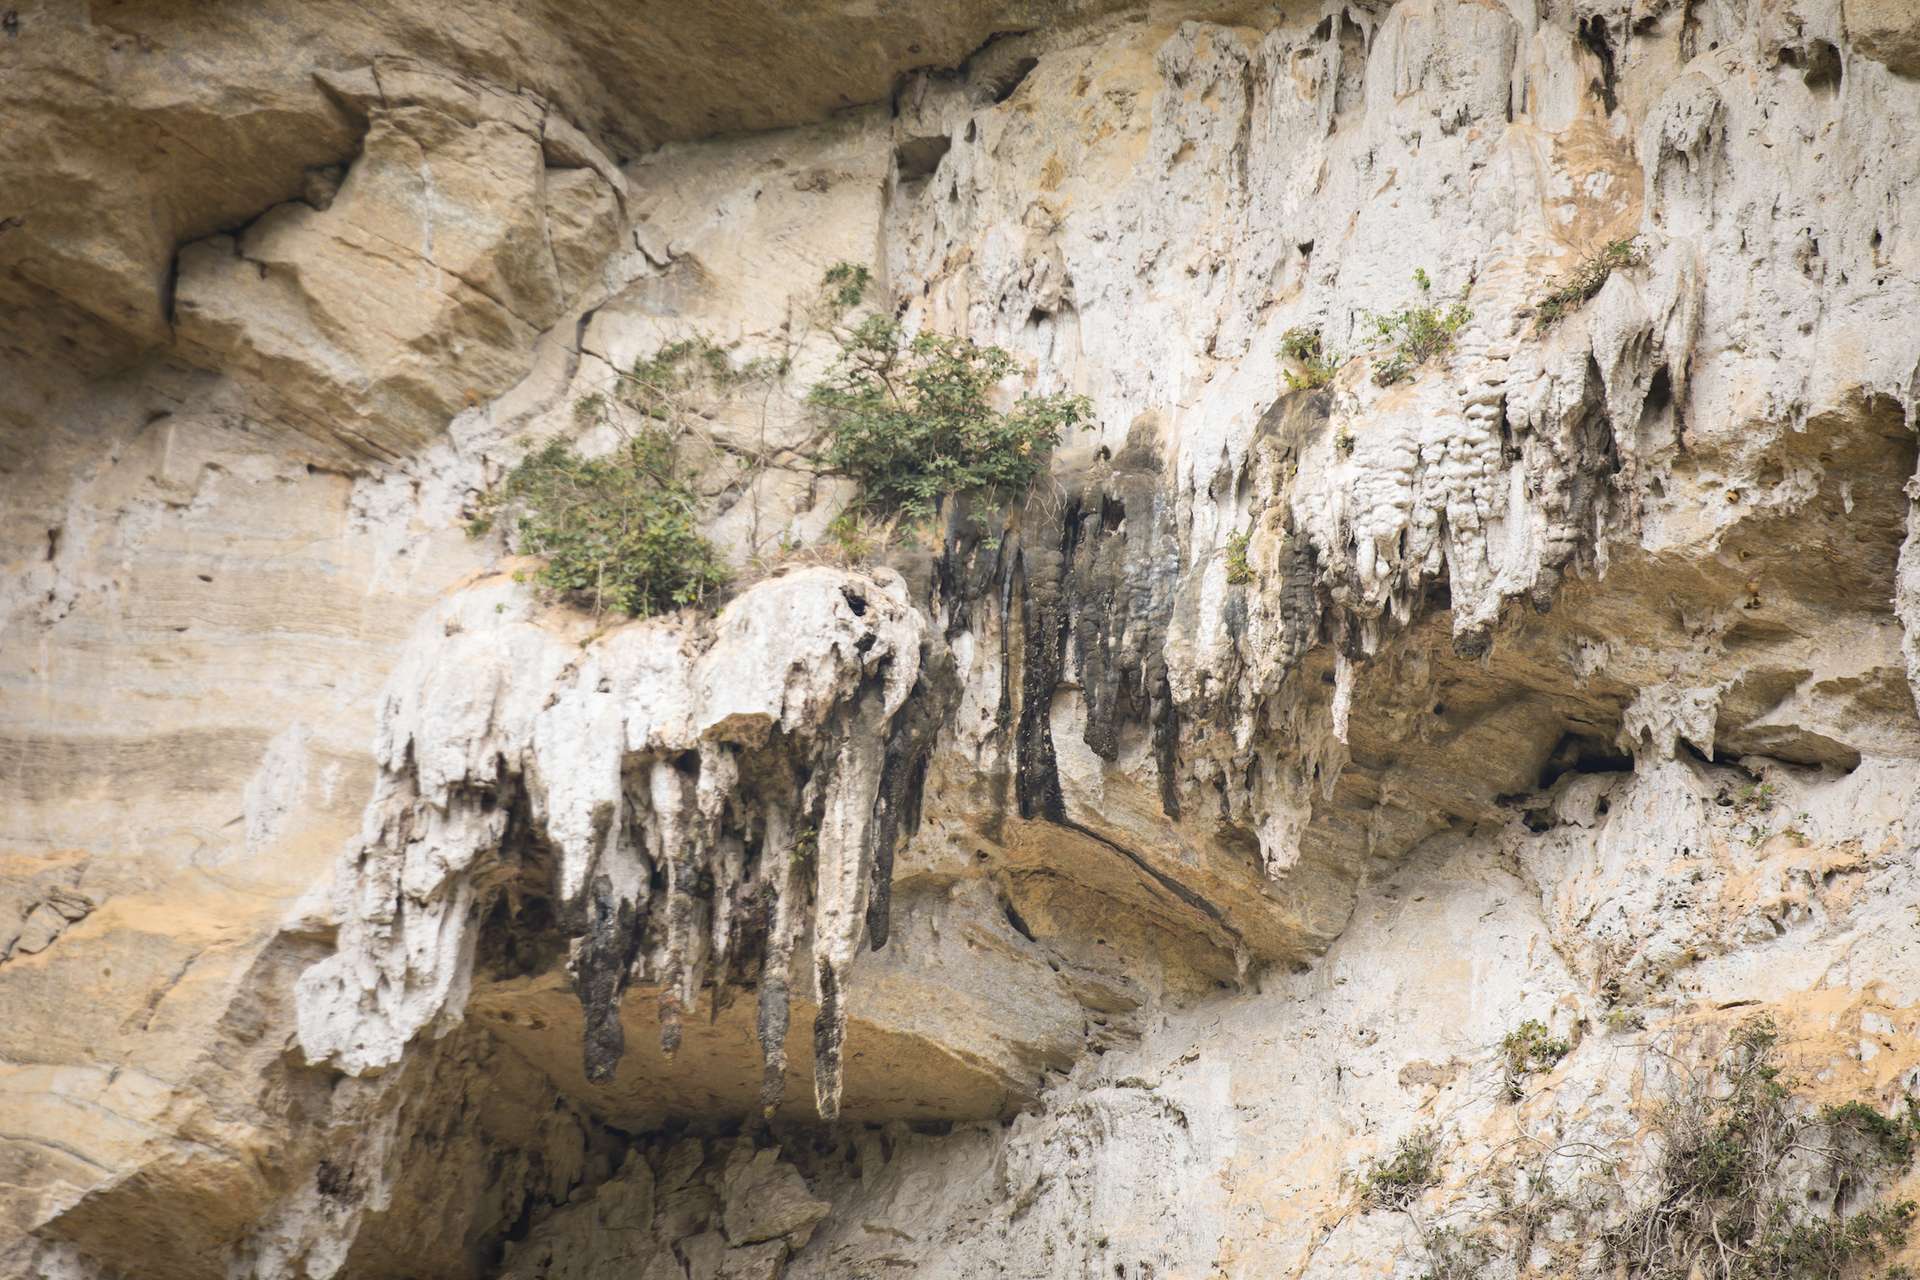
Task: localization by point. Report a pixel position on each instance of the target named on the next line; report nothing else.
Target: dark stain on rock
(606, 960)
(896, 803)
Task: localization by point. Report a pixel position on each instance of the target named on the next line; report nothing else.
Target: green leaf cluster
(1721, 1212)
(1239, 572)
(1304, 346)
(683, 375)
(1826, 1248)
(844, 286)
(1528, 1048)
(1416, 334)
(910, 418)
(1397, 1182)
(620, 532)
(1891, 1138)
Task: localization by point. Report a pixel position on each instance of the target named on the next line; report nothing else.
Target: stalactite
(789, 866)
(842, 867)
(634, 756)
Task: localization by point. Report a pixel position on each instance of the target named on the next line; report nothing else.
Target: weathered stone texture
(1095, 886)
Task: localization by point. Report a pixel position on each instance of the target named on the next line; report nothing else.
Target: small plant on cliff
(1886, 1139)
(805, 851)
(858, 537)
(1303, 346)
(682, 380)
(1726, 1189)
(1453, 1254)
(1416, 334)
(619, 532)
(1575, 290)
(912, 420)
(1526, 1049)
(1755, 797)
(844, 286)
(1396, 1182)
(1239, 572)
(1724, 1208)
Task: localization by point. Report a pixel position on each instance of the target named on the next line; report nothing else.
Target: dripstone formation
(1436, 737)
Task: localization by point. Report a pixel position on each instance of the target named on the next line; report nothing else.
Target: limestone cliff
(1424, 783)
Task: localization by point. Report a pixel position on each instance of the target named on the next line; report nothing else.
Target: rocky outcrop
(759, 771)
(175, 122)
(417, 284)
(1105, 882)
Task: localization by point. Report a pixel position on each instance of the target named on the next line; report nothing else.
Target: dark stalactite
(1036, 780)
(896, 804)
(606, 961)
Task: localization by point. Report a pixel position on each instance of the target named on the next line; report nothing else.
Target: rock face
(1339, 821)
(390, 299)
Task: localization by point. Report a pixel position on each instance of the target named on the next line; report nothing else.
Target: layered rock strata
(1126, 872)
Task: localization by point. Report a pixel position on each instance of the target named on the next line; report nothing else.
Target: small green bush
(1575, 290)
(1398, 1182)
(1416, 334)
(685, 377)
(1239, 572)
(844, 286)
(1529, 1048)
(619, 532)
(1891, 1138)
(1826, 1248)
(1453, 1254)
(1734, 1151)
(1720, 1211)
(1755, 797)
(1304, 346)
(910, 418)
(622, 532)
(858, 537)
(806, 849)
(1621, 1020)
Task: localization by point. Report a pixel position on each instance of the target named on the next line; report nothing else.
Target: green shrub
(1890, 1138)
(910, 419)
(806, 849)
(619, 532)
(1239, 572)
(1720, 1210)
(1826, 1248)
(1573, 291)
(685, 377)
(844, 286)
(622, 532)
(1735, 1149)
(1304, 346)
(1755, 797)
(858, 537)
(1398, 1182)
(1621, 1020)
(1529, 1048)
(1416, 334)
(1453, 1254)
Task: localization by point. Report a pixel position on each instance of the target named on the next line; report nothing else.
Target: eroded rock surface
(1099, 884)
